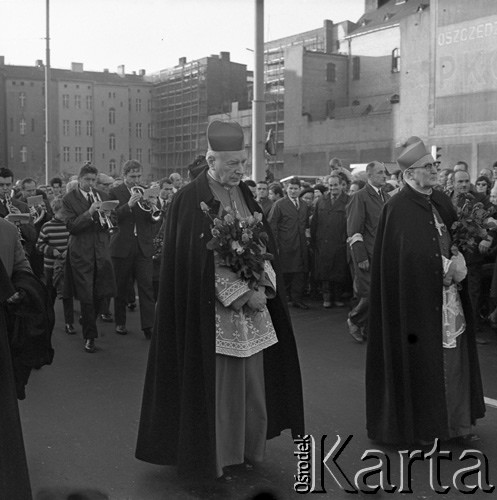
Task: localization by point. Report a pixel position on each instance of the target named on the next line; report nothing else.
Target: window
(65, 127)
(331, 72)
(149, 130)
(356, 68)
(139, 130)
(66, 154)
(89, 154)
(149, 105)
(139, 154)
(11, 124)
(89, 128)
(32, 124)
(65, 101)
(77, 127)
(112, 116)
(22, 99)
(112, 142)
(22, 126)
(77, 101)
(112, 167)
(77, 154)
(24, 154)
(149, 156)
(138, 106)
(89, 102)
(395, 60)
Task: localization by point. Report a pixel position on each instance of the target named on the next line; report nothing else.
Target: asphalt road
(81, 415)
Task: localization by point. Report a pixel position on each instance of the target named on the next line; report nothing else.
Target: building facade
(183, 98)
(100, 117)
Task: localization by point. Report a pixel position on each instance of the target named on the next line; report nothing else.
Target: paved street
(81, 415)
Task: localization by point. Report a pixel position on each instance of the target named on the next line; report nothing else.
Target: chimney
(142, 72)
(39, 63)
(2, 61)
(77, 67)
(182, 61)
(106, 70)
(225, 56)
(120, 70)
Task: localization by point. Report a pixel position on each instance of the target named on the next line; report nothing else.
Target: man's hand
(135, 198)
(364, 265)
(484, 246)
(14, 210)
(257, 300)
(94, 207)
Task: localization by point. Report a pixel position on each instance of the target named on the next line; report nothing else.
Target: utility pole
(48, 147)
(258, 104)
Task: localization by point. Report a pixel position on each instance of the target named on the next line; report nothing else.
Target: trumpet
(13, 210)
(37, 212)
(145, 204)
(105, 221)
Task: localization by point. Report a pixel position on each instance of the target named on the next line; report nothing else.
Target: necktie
(90, 198)
(296, 202)
(382, 196)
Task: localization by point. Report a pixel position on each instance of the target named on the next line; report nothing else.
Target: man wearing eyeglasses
(422, 373)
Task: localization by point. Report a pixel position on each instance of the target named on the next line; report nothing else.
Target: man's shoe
(70, 329)
(339, 303)
(300, 305)
(90, 346)
(106, 318)
(326, 304)
(148, 333)
(481, 341)
(121, 330)
(355, 331)
(131, 306)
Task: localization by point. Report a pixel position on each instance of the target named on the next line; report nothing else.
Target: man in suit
(89, 271)
(263, 197)
(10, 204)
(363, 214)
(132, 250)
(289, 220)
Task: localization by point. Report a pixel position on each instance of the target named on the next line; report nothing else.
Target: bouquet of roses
(471, 225)
(241, 243)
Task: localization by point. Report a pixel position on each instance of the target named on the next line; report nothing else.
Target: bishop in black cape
(405, 388)
(177, 424)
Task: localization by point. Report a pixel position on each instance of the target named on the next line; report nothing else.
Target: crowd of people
(95, 239)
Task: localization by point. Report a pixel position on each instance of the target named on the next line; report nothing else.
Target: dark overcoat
(14, 477)
(405, 389)
(329, 238)
(177, 424)
(289, 229)
(88, 262)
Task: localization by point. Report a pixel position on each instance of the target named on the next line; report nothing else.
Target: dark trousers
(359, 313)
(89, 312)
(294, 285)
(67, 303)
(139, 266)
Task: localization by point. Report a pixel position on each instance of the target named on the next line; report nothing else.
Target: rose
(228, 218)
(204, 206)
(215, 232)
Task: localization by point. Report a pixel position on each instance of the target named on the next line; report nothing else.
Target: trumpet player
(88, 272)
(41, 213)
(11, 205)
(132, 247)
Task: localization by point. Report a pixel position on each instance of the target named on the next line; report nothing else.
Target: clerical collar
(228, 188)
(427, 196)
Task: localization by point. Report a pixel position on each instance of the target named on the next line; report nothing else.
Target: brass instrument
(103, 216)
(145, 204)
(14, 211)
(37, 208)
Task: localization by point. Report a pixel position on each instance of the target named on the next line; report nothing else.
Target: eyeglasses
(482, 184)
(428, 167)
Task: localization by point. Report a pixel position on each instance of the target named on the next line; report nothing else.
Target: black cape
(14, 477)
(177, 424)
(405, 392)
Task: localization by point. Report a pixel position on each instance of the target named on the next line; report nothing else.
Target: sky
(153, 34)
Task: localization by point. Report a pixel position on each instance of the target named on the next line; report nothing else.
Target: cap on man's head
(225, 136)
(414, 154)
